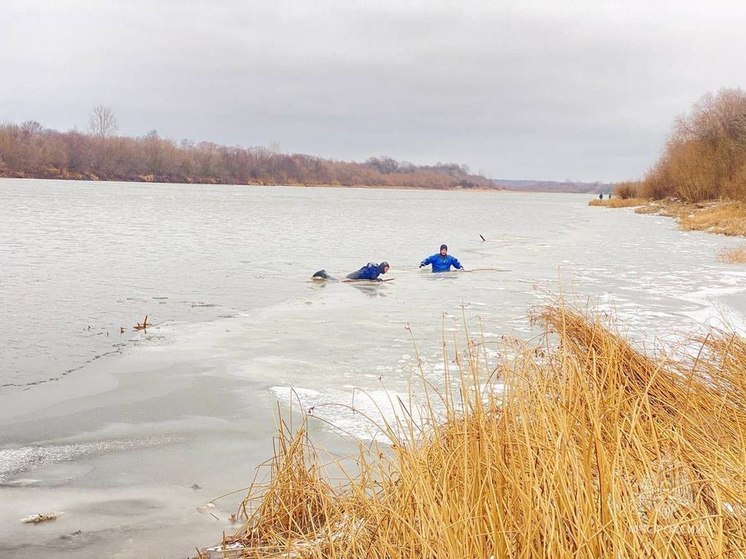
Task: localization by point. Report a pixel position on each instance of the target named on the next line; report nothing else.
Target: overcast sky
(515, 89)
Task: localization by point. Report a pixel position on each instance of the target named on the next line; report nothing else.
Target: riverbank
(733, 255)
(720, 217)
(581, 446)
(67, 175)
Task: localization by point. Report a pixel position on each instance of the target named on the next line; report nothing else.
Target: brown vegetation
(29, 151)
(142, 325)
(582, 447)
(701, 177)
(725, 218)
(705, 158)
(733, 255)
(627, 190)
(618, 202)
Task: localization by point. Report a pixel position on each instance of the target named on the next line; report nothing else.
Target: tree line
(705, 157)
(28, 150)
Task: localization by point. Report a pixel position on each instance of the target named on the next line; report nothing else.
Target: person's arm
(456, 264)
(427, 261)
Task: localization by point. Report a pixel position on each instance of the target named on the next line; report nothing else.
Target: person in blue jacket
(441, 261)
(370, 271)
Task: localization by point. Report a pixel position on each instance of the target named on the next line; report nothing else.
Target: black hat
(382, 267)
(443, 247)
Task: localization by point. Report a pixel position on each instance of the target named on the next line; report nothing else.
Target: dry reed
(733, 255)
(726, 218)
(619, 202)
(580, 447)
(720, 217)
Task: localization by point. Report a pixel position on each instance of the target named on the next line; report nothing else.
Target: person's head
(443, 250)
(383, 267)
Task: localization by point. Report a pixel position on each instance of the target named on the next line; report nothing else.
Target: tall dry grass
(580, 447)
(733, 255)
(619, 202)
(723, 218)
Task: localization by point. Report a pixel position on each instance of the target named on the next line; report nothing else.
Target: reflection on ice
(360, 414)
(14, 461)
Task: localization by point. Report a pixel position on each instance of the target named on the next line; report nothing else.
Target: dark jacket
(441, 263)
(370, 271)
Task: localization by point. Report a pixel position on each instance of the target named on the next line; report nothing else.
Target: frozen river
(129, 432)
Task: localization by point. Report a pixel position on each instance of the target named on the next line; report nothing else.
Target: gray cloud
(583, 90)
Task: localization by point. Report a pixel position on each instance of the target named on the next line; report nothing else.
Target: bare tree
(31, 127)
(30, 150)
(715, 118)
(102, 123)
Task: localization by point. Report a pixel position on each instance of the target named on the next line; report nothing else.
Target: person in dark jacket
(441, 261)
(370, 271)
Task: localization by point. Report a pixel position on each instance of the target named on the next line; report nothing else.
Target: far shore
(90, 177)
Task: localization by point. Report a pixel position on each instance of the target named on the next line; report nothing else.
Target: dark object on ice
(321, 274)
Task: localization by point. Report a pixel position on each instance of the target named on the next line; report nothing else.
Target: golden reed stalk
(583, 447)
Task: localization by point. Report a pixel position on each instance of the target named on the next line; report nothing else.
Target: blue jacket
(442, 263)
(370, 271)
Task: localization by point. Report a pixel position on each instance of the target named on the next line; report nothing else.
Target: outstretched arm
(427, 261)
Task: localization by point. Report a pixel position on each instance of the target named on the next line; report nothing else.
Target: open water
(130, 433)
